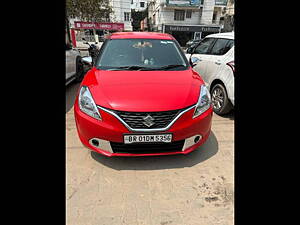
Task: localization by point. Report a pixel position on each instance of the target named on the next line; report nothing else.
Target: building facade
(227, 18)
(119, 20)
(139, 5)
(122, 13)
(186, 19)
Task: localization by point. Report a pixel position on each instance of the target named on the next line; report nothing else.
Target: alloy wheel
(217, 99)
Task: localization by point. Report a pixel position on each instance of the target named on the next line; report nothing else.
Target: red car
(142, 98)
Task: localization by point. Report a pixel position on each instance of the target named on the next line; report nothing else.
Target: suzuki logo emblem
(148, 121)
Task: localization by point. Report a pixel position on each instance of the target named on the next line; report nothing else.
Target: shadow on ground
(230, 115)
(204, 152)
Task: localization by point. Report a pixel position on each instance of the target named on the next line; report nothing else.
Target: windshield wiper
(130, 68)
(170, 66)
(145, 67)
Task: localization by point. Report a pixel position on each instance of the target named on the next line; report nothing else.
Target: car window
(204, 46)
(149, 53)
(220, 47)
(230, 44)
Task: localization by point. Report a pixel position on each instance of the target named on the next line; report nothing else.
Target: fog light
(101, 144)
(191, 141)
(196, 139)
(95, 142)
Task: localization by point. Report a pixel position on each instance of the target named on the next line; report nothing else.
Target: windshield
(141, 54)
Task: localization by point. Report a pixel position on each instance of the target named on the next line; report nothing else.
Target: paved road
(196, 189)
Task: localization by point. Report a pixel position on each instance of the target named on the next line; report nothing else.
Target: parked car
(74, 67)
(192, 43)
(216, 66)
(142, 97)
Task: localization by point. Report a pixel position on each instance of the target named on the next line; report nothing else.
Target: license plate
(147, 138)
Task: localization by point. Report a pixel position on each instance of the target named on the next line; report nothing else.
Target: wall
(136, 5)
(207, 13)
(167, 17)
(119, 7)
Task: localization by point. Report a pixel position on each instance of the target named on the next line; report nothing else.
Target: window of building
(214, 17)
(188, 14)
(179, 14)
(200, 12)
(126, 16)
(142, 4)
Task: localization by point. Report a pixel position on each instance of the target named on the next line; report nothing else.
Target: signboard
(169, 28)
(185, 3)
(99, 26)
(221, 2)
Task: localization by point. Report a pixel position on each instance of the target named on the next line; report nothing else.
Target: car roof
(142, 35)
(229, 35)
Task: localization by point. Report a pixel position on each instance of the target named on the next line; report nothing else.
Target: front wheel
(220, 101)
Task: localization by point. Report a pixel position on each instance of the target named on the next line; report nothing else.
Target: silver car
(74, 66)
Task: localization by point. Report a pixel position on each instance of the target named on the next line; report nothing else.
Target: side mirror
(190, 50)
(194, 61)
(87, 60)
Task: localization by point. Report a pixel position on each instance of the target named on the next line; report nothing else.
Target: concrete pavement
(196, 189)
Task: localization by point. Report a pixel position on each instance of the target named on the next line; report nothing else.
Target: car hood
(144, 91)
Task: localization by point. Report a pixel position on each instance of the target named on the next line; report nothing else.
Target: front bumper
(110, 129)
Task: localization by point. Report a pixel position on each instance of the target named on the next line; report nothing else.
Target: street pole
(95, 36)
(68, 30)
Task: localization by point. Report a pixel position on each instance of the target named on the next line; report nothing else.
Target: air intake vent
(148, 148)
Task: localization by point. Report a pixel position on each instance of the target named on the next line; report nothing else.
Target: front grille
(147, 148)
(160, 119)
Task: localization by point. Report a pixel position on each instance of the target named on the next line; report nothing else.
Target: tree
(89, 10)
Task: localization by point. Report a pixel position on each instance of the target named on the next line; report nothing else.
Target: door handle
(218, 63)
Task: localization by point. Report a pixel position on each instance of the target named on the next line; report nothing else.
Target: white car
(214, 61)
(74, 66)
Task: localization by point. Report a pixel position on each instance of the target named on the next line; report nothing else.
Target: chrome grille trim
(146, 130)
(136, 120)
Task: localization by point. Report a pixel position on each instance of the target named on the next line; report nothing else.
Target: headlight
(87, 104)
(204, 101)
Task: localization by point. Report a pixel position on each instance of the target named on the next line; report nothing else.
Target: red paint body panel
(142, 35)
(144, 91)
(111, 129)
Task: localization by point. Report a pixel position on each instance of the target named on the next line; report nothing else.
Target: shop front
(93, 31)
(184, 33)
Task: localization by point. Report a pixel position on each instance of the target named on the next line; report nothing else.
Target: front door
(202, 52)
(220, 55)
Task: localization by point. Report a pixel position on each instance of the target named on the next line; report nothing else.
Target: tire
(79, 70)
(220, 101)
